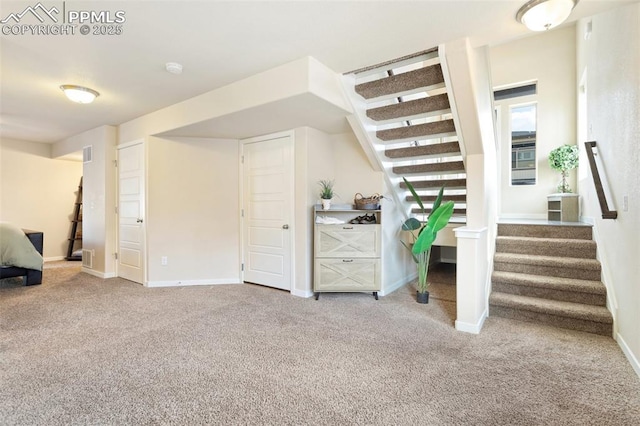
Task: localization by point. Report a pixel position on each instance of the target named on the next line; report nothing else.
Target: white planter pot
(326, 204)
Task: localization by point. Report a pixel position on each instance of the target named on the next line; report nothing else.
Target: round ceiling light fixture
(542, 15)
(79, 94)
(173, 67)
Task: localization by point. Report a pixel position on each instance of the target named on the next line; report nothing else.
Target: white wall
(99, 195)
(611, 58)
(193, 214)
(38, 192)
(549, 59)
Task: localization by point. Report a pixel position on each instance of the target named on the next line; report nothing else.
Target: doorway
(131, 231)
(267, 210)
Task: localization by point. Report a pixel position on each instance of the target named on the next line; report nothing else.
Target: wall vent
(87, 259)
(87, 154)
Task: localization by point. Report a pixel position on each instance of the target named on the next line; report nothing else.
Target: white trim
(628, 353)
(587, 219)
(468, 233)
(398, 284)
(53, 258)
(132, 143)
(177, 283)
(605, 278)
(302, 293)
(472, 328)
(103, 275)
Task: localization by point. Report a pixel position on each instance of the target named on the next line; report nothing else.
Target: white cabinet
(347, 255)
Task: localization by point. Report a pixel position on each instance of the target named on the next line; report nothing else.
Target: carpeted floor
(81, 350)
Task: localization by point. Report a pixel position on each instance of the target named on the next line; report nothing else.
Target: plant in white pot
(423, 235)
(563, 159)
(326, 193)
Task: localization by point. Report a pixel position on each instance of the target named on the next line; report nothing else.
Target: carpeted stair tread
(552, 307)
(447, 148)
(552, 288)
(577, 231)
(410, 108)
(417, 131)
(436, 184)
(457, 198)
(537, 260)
(557, 283)
(563, 247)
(443, 167)
(568, 267)
(456, 212)
(422, 77)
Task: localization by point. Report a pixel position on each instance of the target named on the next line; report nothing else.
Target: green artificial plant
(563, 159)
(426, 233)
(326, 189)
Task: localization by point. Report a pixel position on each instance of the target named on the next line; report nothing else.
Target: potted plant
(326, 193)
(563, 159)
(423, 235)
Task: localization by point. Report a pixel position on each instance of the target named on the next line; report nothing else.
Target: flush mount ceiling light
(79, 94)
(541, 15)
(173, 67)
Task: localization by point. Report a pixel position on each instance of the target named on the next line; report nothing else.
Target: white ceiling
(217, 43)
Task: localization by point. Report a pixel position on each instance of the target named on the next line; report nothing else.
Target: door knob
(285, 226)
(139, 220)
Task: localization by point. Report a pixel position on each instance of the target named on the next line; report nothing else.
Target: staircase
(549, 274)
(404, 105)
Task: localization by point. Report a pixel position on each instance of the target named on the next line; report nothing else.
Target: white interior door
(131, 242)
(268, 202)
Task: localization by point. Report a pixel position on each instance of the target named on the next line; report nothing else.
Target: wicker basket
(368, 203)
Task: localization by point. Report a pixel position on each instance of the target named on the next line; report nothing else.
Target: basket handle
(355, 197)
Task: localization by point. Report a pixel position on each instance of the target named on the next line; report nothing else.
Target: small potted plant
(563, 159)
(425, 236)
(326, 193)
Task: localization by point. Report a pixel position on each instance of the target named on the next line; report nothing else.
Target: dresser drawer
(347, 241)
(347, 274)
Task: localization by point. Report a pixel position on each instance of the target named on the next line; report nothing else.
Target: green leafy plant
(326, 189)
(424, 234)
(563, 159)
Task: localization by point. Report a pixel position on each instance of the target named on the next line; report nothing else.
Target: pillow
(16, 249)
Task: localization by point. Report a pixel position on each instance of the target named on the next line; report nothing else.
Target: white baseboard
(302, 293)
(472, 328)
(630, 355)
(183, 283)
(53, 258)
(398, 284)
(103, 275)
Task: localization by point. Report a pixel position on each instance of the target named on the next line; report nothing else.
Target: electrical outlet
(164, 261)
(625, 203)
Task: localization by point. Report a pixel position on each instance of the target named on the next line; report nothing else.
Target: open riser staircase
(405, 107)
(549, 274)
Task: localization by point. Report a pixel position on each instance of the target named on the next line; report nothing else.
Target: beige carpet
(81, 350)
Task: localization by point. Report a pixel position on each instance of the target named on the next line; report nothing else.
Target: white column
(472, 279)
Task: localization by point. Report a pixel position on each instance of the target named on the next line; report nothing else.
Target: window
(523, 144)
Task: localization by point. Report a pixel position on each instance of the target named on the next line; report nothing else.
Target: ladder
(76, 227)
